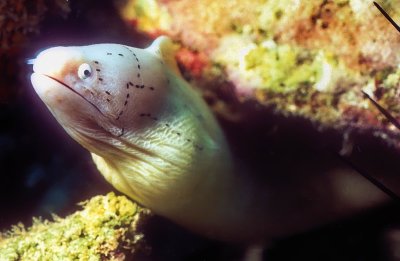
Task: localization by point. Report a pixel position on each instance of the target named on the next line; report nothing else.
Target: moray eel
(154, 139)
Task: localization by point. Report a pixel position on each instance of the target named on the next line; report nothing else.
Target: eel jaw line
(74, 91)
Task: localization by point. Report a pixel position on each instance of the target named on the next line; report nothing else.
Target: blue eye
(84, 71)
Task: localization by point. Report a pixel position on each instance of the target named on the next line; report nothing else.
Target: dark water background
(43, 171)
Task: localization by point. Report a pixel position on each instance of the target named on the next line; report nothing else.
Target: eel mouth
(71, 89)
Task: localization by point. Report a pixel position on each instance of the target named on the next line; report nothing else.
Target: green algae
(283, 68)
(389, 91)
(307, 59)
(152, 15)
(104, 230)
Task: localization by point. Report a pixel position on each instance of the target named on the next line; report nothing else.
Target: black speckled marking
(128, 84)
(97, 64)
(177, 133)
(120, 54)
(148, 115)
(139, 67)
(141, 86)
(109, 53)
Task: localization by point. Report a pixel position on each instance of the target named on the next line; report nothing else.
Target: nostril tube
(30, 61)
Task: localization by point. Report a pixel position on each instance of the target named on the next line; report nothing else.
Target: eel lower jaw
(36, 78)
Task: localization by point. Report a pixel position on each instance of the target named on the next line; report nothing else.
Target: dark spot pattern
(98, 70)
(128, 84)
(142, 86)
(138, 75)
(178, 134)
(148, 115)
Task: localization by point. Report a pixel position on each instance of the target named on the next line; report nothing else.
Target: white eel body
(155, 140)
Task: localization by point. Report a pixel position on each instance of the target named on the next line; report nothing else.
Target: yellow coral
(103, 230)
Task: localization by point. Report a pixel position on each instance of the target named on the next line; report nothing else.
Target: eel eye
(84, 71)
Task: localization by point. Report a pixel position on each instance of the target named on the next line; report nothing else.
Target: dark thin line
(392, 119)
(374, 181)
(387, 16)
(83, 97)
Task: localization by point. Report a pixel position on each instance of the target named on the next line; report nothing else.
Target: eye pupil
(84, 71)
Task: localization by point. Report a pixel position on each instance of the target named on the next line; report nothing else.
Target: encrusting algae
(106, 229)
(306, 59)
